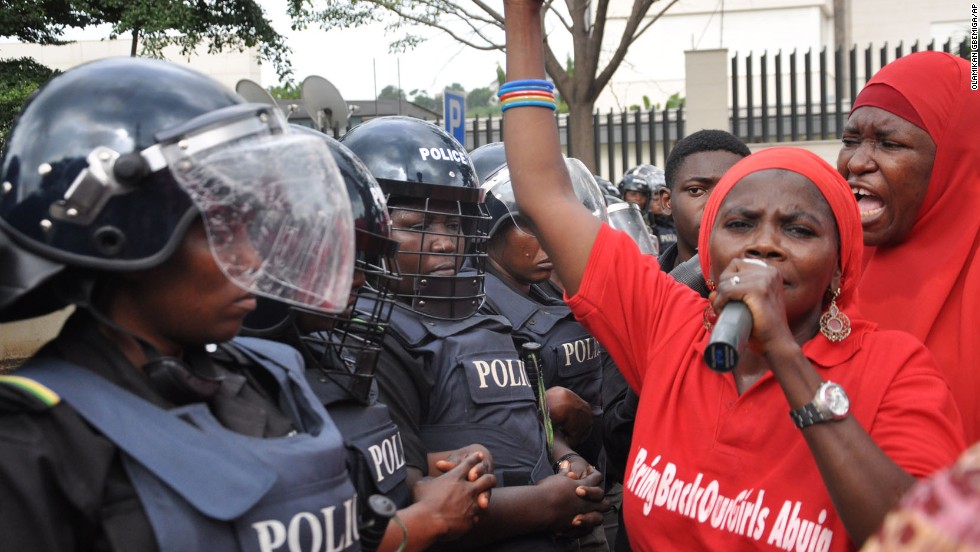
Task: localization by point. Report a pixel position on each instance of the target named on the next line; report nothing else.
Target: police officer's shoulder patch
(20, 393)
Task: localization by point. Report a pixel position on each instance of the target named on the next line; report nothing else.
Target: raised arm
(544, 193)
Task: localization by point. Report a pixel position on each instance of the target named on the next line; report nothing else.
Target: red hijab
(832, 186)
(929, 285)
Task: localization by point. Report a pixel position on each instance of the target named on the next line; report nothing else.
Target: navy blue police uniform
(450, 375)
(570, 357)
(109, 168)
(222, 469)
(452, 383)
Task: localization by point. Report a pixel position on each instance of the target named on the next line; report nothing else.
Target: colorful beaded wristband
(535, 84)
(544, 89)
(504, 106)
(528, 93)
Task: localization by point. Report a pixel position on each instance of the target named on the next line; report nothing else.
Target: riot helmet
(502, 205)
(487, 159)
(627, 217)
(645, 178)
(608, 188)
(110, 163)
(430, 182)
(345, 346)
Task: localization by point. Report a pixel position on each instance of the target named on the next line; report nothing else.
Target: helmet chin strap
(176, 380)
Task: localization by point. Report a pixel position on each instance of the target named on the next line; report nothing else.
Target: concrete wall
(655, 65)
(881, 21)
(826, 149)
(707, 95)
(227, 67)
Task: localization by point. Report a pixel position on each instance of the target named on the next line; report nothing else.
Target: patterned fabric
(940, 513)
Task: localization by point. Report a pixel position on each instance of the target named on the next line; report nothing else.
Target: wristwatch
(829, 404)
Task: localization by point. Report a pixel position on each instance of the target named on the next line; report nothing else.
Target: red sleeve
(917, 423)
(634, 309)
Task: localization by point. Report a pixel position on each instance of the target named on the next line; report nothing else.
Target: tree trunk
(583, 141)
(135, 44)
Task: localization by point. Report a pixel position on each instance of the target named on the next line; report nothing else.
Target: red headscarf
(832, 186)
(929, 285)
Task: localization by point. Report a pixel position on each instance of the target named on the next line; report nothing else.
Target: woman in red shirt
(910, 154)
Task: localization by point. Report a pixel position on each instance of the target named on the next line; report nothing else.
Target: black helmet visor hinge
(110, 173)
(94, 187)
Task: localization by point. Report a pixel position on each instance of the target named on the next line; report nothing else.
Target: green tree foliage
(288, 91)
(155, 24)
(391, 92)
(675, 100)
(479, 97)
(18, 79)
(221, 24)
(40, 21)
(597, 49)
(421, 98)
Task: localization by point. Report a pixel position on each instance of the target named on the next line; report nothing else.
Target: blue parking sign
(454, 113)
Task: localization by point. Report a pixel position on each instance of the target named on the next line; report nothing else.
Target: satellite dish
(324, 103)
(253, 92)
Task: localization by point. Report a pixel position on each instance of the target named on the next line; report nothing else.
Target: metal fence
(622, 140)
(775, 98)
(806, 96)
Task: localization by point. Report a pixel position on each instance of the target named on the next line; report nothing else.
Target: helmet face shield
(356, 336)
(627, 217)
(587, 189)
(503, 205)
(358, 330)
(274, 205)
(346, 346)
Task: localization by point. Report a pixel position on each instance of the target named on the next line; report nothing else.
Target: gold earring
(708, 318)
(834, 324)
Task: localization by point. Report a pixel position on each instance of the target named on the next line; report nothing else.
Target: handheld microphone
(729, 337)
(731, 333)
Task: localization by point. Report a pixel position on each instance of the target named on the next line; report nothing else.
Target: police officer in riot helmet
(516, 268)
(635, 186)
(340, 353)
(160, 205)
(426, 175)
(449, 374)
(570, 360)
(643, 185)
